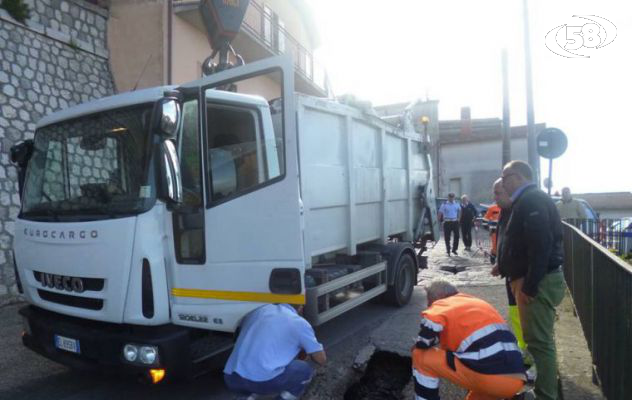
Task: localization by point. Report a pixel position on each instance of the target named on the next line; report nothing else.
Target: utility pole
(534, 160)
(506, 119)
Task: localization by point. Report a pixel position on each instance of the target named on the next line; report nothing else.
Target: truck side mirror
(168, 117)
(21, 153)
(170, 189)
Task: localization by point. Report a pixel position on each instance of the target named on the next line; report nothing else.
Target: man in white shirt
(450, 214)
(264, 359)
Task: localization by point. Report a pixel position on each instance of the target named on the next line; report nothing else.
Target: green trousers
(538, 319)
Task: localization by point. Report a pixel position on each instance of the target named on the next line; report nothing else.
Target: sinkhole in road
(455, 269)
(385, 377)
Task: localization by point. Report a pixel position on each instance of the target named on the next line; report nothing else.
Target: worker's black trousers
(466, 232)
(449, 228)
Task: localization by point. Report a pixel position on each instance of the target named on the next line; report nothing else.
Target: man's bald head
(516, 174)
(500, 194)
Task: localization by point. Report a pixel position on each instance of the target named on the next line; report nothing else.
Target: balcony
(262, 35)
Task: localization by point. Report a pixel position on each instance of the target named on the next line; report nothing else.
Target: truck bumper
(101, 344)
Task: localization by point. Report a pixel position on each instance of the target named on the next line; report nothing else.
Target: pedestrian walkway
(574, 359)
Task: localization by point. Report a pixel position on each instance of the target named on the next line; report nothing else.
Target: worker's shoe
(527, 395)
(531, 375)
(455, 253)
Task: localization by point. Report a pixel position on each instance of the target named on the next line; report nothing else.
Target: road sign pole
(550, 175)
(552, 143)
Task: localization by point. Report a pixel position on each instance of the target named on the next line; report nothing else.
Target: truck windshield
(92, 167)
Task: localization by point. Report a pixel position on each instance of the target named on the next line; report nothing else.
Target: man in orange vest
(491, 222)
(464, 339)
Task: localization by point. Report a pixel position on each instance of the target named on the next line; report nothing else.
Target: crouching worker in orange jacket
(464, 339)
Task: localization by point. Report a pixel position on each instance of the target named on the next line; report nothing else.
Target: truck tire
(400, 292)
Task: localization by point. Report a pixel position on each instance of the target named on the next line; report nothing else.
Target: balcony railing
(263, 25)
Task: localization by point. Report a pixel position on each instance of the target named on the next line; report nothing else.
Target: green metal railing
(601, 286)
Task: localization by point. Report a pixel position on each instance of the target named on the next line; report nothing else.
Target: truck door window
(188, 221)
(190, 155)
(238, 151)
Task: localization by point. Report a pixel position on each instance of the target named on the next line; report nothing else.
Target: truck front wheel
(400, 292)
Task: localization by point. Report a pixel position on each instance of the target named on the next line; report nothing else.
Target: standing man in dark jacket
(530, 255)
(468, 214)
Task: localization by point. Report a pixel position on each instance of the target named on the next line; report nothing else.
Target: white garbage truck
(153, 221)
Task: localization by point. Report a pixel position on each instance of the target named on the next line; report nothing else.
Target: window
(91, 167)
(280, 42)
(190, 155)
(273, 30)
(308, 65)
(267, 24)
(455, 186)
(240, 156)
(188, 221)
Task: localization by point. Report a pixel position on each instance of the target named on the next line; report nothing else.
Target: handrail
(601, 286)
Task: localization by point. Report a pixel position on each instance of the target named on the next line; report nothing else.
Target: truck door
(250, 242)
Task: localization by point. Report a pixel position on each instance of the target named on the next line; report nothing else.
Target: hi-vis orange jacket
(473, 331)
(491, 220)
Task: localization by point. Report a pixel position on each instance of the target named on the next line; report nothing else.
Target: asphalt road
(26, 375)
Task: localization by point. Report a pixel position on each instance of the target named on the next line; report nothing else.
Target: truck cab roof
(141, 96)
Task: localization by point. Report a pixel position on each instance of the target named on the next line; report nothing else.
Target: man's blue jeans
(293, 380)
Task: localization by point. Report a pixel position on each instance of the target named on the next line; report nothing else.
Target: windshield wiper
(42, 212)
(106, 210)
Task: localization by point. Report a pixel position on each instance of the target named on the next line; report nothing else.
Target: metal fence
(601, 286)
(613, 234)
(481, 237)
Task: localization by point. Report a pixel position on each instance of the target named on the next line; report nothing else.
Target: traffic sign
(552, 143)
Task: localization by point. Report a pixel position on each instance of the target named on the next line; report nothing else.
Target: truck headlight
(148, 354)
(130, 352)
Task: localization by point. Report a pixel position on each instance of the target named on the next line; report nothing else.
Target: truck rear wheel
(400, 292)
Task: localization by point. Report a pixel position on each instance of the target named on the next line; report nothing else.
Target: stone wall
(57, 59)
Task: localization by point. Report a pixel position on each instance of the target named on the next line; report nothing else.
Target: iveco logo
(60, 234)
(60, 282)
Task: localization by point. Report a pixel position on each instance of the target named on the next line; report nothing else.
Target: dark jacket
(468, 213)
(531, 244)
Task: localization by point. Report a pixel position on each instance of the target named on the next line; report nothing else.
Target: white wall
(478, 164)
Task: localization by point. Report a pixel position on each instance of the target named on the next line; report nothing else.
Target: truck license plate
(67, 344)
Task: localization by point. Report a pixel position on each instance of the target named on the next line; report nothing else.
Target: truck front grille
(94, 284)
(73, 301)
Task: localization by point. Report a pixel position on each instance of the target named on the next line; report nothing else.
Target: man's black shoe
(455, 253)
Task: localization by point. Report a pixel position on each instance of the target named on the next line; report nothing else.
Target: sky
(449, 50)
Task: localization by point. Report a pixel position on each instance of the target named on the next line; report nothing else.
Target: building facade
(470, 156)
(612, 205)
(466, 153)
(165, 42)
